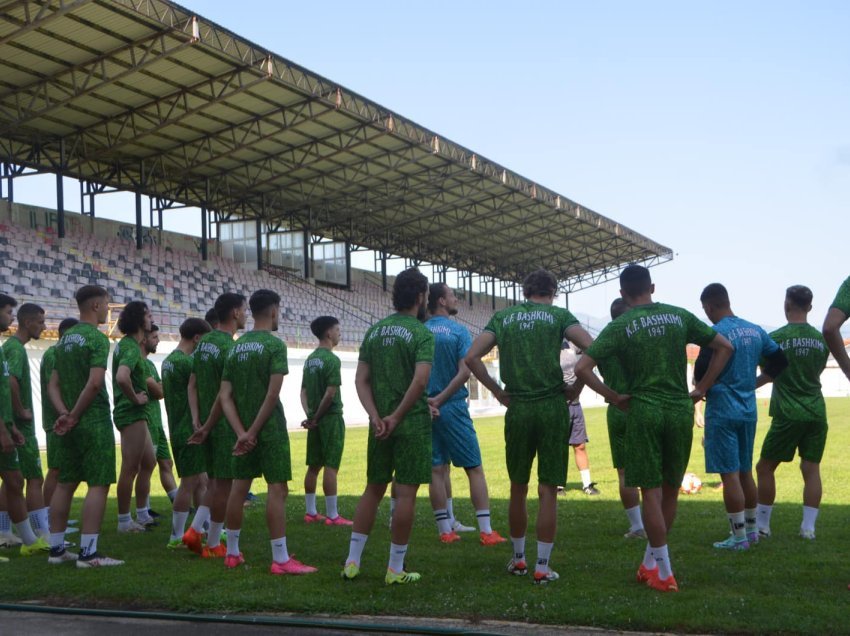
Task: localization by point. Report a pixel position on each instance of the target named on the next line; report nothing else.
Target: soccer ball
(691, 484)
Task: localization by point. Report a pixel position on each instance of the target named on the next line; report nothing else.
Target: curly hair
(132, 317)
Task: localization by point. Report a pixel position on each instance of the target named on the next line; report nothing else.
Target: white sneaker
(98, 560)
(64, 557)
(640, 533)
(70, 530)
(764, 533)
(457, 526)
(131, 528)
(9, 540)
(807, 534)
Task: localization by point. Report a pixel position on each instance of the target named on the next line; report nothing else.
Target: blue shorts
(453, 437)
(729, 445)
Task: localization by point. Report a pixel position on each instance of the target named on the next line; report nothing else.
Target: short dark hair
(618, 308)
(192, 327)
(262, 299)
(635, 280)
(226, 303)
(132, 317)
(407, 287)
(800, 296)
(539, 283)
(211, 317)
(436, 291)
(28, 311)
(715, 294)
(87, 292)
(154, 327)
(67, 324)
(7, 301)
(320, 325)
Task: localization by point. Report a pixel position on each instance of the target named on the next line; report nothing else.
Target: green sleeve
(15, 359)
(334, 375)
(229, 368)
(365, 354)
(493, 325)
(698, 332)
(152, 372)
(279, 363)
(425, 346)
(607, 343)
(567, 320)
(99, 352)
(842, 298)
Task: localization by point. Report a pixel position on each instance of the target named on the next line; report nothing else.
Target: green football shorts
(326, 442)
(785, 437)
(658, 443)
(540, 428)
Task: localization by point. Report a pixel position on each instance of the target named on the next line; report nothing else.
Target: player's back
(80, 349)
(19, 366)
(451, 343)
(251, 361)
(48, 363)
(797, 390)
(208, 366)
(176, 369)
(321, 370)
(5, 391)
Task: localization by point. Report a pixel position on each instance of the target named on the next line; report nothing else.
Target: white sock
(148, 502)
(279, 552)
(142, 515)
(585, 477)
(172, 495)
(202, 515)
(397, 554)
(88, 544)
(33, 519)
(649, 558)
(392, 506)
(736, 522)
(810, 515)
(441, 516)
(330, 507)
(519, 548)
(25, 532)
(178, 524)
(763, 516)
(483, 517)
(662, 558)
(57, 540)
(124, 520)
(450, 509)
(635, 520)
(233, 542)
(5, 522)
(214, 534)
(544, 551)
(43, 521)
(750, 519)
(355, 547)
(310, 502)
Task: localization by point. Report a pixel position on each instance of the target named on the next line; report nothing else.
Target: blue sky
(719, 129)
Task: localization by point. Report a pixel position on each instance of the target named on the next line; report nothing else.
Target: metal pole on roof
(260, 242)
(204, 220)
(384, 270)
(494, 293)
(60, 192)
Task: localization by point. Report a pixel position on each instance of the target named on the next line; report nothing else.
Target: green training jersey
(612, 374)
(796, 392)
(19, 368)
(650, 343)
(392, 348)
(5, 391)
(529, 338)
(321, 370)
(48, 413)
(128, 354)
(176, 369)
(153, 411)
(842, 298)
(209, 358)
(82, 348)
(251, 362)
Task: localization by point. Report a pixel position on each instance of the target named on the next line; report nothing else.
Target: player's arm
(154, 388)
(835, 318)
(417, 387)
(55, 394)
(481, 346)
(228, 405)
(363, 384)
(772, 365)
(268, 406)
(7, 444)
(67, 420)
(17, 404)
(582, 340)
(721, 351)
(584, 372)
(325, 404)
(454, 386)
(192, 398)
(125, 383)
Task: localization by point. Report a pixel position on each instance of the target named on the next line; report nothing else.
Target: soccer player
(837, 315)
(250, 399)
(392, 379)
(578, 426)
(537, 422)
(84, 431)
(190, 459)
(453, 437)
(162, 453)
(650, 342)
(730, 412)
(130, 397)
(322, 402)
(208, 421)
(30, 327)
(798, 412)
(11, 439)
(48, 413)
(612, 374)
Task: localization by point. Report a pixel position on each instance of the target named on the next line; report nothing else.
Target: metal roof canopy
(147, 96)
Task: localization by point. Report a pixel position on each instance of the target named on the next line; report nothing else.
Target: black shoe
(562, 491)
(154, 513)
(591, 489)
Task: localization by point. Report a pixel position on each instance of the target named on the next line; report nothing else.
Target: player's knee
(14, 483)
